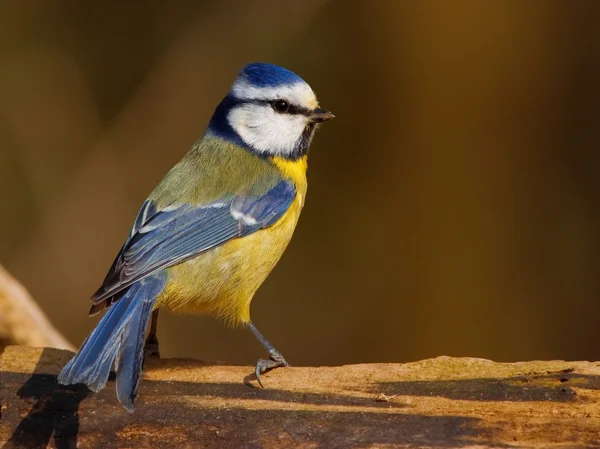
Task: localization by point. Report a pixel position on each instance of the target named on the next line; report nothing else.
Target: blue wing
(163, 238)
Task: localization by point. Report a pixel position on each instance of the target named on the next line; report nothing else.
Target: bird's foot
(263, 366)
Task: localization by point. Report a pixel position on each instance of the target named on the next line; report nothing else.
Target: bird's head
(269, 110)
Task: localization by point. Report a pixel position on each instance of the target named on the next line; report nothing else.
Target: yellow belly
(223, 280)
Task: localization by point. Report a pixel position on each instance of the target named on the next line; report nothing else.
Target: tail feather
(119, 335)
(131, 355)
(97, 353)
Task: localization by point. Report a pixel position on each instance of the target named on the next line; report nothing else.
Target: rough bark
(442, 402)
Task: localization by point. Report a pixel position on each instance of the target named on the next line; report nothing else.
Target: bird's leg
(275, 360)
(151, 346)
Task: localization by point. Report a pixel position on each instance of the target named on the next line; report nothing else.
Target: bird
(211, 231)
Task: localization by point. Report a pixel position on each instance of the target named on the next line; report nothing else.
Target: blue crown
(261, 74)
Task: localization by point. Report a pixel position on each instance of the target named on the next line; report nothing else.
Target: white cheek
(266, 130)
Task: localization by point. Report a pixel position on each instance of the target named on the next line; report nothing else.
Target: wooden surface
(442, 402)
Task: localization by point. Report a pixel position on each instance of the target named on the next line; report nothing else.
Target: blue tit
(211, 232)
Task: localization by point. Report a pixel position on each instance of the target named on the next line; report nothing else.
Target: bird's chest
(246, 262)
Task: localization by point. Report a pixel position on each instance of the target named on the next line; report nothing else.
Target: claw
(263, 366)
(275, 360)
(257, 371)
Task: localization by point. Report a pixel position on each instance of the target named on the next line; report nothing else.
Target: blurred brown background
(453, 204)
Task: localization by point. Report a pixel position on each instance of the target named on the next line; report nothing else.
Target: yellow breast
(223, 281)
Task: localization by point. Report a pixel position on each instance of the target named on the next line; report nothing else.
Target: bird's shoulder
(215, 169)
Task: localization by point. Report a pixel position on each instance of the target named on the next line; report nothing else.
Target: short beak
(320, 115)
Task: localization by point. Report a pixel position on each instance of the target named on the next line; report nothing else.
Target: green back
(213, 170)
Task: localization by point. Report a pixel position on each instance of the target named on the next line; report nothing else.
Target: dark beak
(320, 115)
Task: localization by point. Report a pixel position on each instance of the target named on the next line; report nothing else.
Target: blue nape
(261, 74)
(220, 126)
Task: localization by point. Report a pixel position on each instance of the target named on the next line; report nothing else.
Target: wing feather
(163, 238)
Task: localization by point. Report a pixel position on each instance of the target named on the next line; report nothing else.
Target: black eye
(281, 106)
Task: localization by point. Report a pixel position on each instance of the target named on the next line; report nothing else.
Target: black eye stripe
(292, 108)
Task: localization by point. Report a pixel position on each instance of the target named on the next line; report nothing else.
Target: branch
(444, 402)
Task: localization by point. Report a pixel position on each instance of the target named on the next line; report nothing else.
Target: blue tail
(119, 338)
